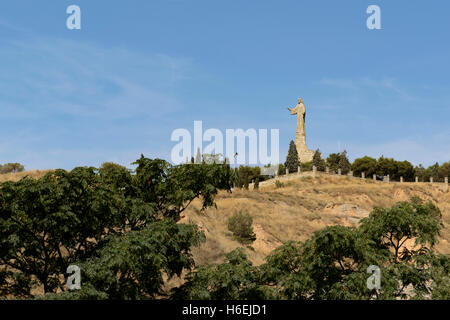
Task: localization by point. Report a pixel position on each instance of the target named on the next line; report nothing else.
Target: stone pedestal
(401, 179)
(374, 177)
(350, 173)
(339, 171)
(431, 179)
(363, 175)
(327, 169)
(287, 171)
(299, 169)
(417, 179)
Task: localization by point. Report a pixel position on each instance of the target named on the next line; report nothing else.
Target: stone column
(431, 179)
(363, 175)
(417, 179)
(299, 169)
(287, 171)
(446, 183)
(374, 177)
(339, 171)
(401, 179)
(314, 169)
(327, 170)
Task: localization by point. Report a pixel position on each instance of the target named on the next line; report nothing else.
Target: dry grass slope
(35, 174)
(303, 206)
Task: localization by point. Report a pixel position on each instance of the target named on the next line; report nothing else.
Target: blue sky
(137, 70)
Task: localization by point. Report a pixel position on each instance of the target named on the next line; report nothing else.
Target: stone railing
(295, 175)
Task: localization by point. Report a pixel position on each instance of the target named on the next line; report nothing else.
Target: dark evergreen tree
(344, 164)
(318, 161)
(292, 162)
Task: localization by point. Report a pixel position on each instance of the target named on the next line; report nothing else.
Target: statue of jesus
(304, 154)
(300, 111)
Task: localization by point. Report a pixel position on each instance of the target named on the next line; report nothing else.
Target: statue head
(300, 100)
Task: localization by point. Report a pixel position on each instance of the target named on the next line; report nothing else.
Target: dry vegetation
(35, 174)
(301, 207)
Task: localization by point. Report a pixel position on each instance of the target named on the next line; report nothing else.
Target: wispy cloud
(380, 86)
(76, 101)
(85, 79)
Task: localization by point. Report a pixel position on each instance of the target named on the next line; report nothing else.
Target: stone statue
(304, 154)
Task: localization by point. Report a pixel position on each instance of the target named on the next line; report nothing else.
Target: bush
(11, 168)
(279, 184)
(306, 166)
(245, 175)
(241, 226)
(281, 169)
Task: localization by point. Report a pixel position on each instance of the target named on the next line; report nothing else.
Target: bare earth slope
(302, 206)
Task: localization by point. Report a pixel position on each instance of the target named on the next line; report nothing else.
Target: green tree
(406, 170)
(67, 217)
(386, 166)
(333, 161)
(40, 219)
(444, 171)
(344, 163)
(133, 266)
(365, 164)
(292, 162)
(318, 161)
(235, 279)
(419, 171)
(432, 172)
(333, 263)
(319, 268)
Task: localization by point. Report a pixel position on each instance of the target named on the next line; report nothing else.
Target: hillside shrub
(240, 224)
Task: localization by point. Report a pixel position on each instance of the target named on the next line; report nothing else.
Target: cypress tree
(292, 162)
(198, 156)
(344, 164)
(318, 161)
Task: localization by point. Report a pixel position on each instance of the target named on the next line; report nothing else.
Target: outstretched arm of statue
(293, 110)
